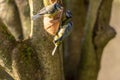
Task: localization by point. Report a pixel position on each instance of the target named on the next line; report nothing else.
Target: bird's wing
(43, 11)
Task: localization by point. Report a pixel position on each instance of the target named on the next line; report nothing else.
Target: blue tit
(67, 17)
(68, 14)
(64, 32)
(51, 9)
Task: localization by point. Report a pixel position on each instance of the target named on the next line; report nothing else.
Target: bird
(64, 30)
(62, 34)
(66, 17)
(50, 10)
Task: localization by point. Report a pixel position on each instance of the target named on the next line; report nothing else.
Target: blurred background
(110, 65)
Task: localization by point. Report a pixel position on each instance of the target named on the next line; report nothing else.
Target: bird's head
(58, 6)
(70, 23)
(68, 14)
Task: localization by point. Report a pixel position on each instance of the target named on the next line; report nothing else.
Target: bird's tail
(54, 50)
(35, 16)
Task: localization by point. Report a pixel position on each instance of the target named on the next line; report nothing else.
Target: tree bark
(24, 12)
(4, 75)
(11, 20)
(72, 43)
(97, 34)
(30, 59)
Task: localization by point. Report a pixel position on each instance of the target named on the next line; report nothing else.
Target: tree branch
(103, 33)
(10, 17)
(24, 11)
(52, 68)
(5, 75)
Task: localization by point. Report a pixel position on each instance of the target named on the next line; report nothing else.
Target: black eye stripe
(68, 13)
(57, 6)
(70, 24)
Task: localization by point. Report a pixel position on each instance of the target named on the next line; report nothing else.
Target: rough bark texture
(51, 65)
(24, 12)
(30, 59)
(4, 75)
(72, 44)
(11, 20)
(97, 34)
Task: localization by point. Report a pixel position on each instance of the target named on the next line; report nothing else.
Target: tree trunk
(72, 44)
(30, 59)
(97, 35)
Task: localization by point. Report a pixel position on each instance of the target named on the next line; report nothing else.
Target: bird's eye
(57, 6)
